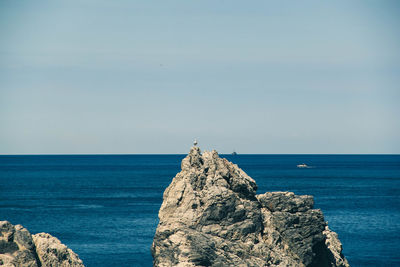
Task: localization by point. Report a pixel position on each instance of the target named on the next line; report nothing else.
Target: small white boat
(302, 166)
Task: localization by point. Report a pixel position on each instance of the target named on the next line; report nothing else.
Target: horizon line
(149, 154)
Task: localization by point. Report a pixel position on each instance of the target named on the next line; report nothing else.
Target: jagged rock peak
(209, 170)
(18, 248)
(211, 216)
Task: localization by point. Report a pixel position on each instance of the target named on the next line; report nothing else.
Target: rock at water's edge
(211, 216)
(18, 248)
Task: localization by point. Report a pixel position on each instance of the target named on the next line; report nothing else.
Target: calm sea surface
(104, 207)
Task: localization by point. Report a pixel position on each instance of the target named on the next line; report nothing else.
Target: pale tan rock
(52, 252)
(211, 216)
(18, 248)
(335, 248)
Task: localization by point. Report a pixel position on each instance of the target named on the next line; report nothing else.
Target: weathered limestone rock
(334, 247)
(51, 252)
(211, 216)
(18, 248)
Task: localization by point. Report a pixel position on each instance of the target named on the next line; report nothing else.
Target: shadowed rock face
(211, 216)
(18, 248)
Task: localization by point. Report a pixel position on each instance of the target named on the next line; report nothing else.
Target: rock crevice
(211, 216)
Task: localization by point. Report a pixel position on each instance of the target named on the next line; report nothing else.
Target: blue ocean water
(104, 207)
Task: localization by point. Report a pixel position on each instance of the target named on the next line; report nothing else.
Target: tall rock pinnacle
(211, 216)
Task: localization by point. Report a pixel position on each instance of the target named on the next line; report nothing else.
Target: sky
(265, 77)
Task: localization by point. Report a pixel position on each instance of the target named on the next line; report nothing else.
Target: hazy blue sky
(150, 76)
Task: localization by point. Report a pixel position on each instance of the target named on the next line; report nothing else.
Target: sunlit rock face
(18, 248)
(211, 216)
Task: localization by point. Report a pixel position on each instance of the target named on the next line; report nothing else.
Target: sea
(105, 207)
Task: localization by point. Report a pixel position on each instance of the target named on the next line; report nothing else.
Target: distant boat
(234, 153)
(303, 166)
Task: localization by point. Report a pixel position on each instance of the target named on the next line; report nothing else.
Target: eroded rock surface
(18, 248)
(211, 216)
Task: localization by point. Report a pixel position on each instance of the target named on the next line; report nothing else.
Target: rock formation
(18, 248)
(211, 216)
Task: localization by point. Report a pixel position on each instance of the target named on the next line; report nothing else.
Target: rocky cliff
(211, 216)
(18, 248)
